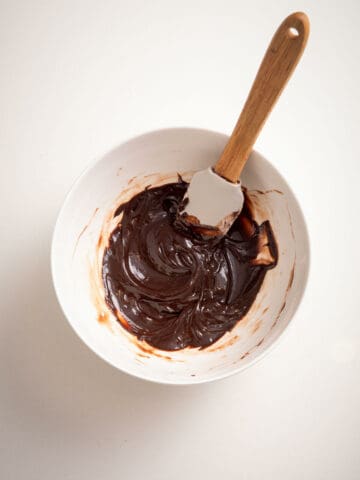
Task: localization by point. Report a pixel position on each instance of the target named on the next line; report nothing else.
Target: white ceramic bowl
(154, 158)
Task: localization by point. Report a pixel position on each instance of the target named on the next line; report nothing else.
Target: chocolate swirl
(174, 288)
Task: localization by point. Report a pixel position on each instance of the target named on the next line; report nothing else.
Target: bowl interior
(153, 159)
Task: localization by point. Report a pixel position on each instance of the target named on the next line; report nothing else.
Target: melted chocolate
(174, 288)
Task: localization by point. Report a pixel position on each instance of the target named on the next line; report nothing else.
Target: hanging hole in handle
(293, 32)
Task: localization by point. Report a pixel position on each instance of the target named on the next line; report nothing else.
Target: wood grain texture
(280, 60)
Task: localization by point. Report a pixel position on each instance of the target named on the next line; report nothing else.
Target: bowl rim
(191, 380)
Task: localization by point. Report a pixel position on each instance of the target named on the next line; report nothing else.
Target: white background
(76, 79)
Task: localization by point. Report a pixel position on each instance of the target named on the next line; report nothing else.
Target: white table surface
(76, 79)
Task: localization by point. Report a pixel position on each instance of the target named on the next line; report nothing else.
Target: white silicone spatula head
(213, 201)
(214, 197)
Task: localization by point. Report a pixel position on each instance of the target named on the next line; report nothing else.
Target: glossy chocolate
(170, 286)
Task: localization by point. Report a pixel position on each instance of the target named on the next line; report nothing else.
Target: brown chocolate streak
(83, 230)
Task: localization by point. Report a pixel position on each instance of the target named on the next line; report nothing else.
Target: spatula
(214, 197)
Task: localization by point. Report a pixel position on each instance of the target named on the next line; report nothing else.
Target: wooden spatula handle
(280, 60)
